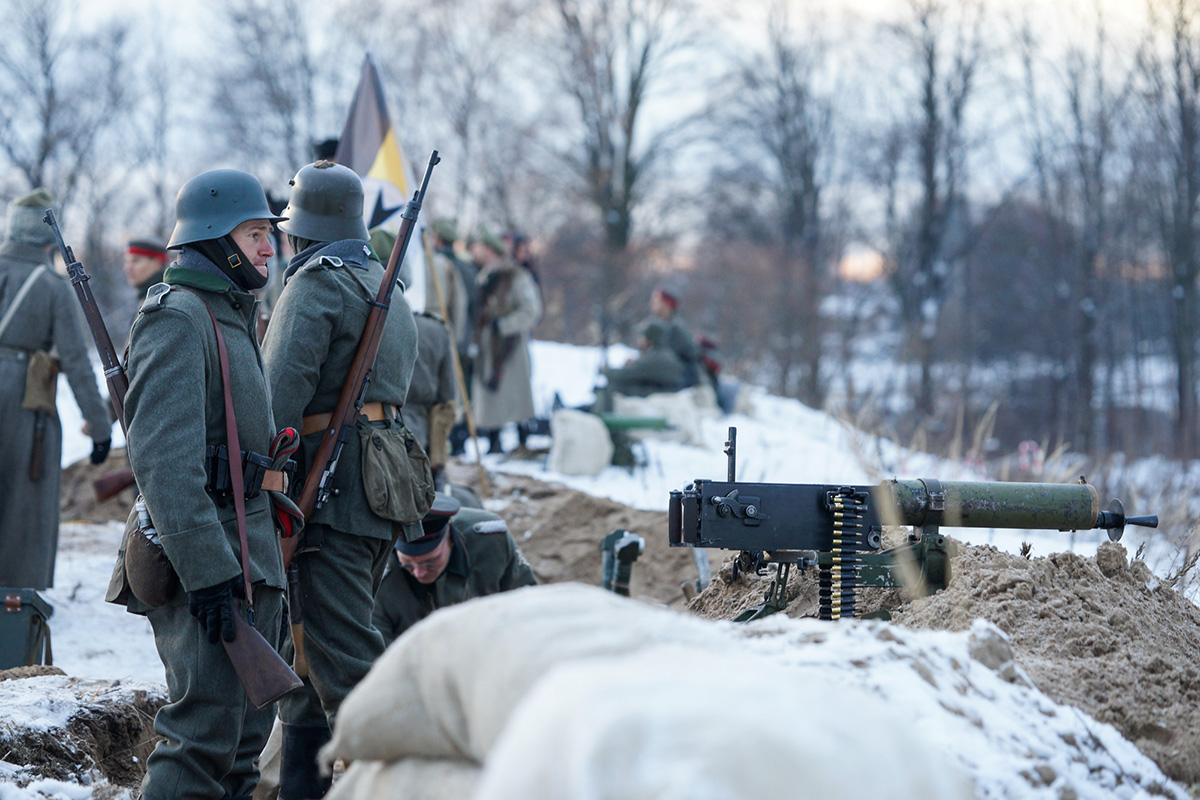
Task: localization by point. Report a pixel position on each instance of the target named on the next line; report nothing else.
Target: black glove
(100, 450)
(213, 608)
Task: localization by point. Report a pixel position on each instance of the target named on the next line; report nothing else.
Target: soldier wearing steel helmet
(315, 329)
(174, 410)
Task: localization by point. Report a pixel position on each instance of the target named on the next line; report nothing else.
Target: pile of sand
(559, 530)
(1098, 633)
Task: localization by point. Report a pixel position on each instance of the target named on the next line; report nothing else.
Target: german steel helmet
(212, 204)
(326, 204)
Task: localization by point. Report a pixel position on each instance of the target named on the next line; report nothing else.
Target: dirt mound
(78, 498)
(559, 531)
(1099, 634)
(108, 729)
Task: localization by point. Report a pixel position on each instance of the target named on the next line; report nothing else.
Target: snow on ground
(1010, 738)
(784, 441)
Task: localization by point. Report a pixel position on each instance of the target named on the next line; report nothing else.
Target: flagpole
(458, 370)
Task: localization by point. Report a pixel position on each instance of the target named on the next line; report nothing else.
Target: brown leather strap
(274, 481)
(234, 445)
(373, 411)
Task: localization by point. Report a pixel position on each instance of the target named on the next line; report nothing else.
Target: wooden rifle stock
(264, 675)
(111, 484)
(318, 484)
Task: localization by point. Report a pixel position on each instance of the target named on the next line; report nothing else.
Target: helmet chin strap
(237, 266)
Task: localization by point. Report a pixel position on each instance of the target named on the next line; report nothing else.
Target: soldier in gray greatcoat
(465, 553)
(429, 409)
(309, 347)
(510, 307)
(174, 412)
(38, 313)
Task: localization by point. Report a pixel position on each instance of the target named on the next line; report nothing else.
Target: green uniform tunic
(485, 560)
(47, 319)
(655, 370)
(309, 347)
(173, 409)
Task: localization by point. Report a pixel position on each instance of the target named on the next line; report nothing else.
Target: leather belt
(375, 412)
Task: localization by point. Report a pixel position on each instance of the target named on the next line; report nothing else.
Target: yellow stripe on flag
(388, 165)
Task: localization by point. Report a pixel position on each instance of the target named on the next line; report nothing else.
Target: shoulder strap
(24, 290)
(235, 453)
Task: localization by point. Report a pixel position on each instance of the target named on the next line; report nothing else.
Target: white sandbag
(581, 443)
(686, 723)
(409, 779)
(446, 688)
(684, 411)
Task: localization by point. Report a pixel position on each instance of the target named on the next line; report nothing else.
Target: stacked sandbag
(567, 691)
(687, 723)
(581, 444)
(685, 412)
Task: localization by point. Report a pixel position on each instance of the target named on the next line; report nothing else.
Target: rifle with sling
(265, 676)
(318, 486)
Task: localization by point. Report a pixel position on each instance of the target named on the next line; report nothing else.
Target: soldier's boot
(299, 776)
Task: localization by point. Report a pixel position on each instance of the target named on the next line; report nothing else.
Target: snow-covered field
(1007, 737)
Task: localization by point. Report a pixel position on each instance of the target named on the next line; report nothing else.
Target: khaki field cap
(25, 223)
(490, 239)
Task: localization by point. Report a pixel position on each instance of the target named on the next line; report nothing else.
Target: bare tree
(944, 42)
(1169, 64)
(611, 59)
(1073, 114)
(60, 90)
(265, 84)
(777, 122)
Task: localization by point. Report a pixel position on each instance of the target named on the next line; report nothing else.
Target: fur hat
(25, 223)
(654, 332)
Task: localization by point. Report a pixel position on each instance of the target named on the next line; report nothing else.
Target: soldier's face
(254, 238)
(138, 269)
(429, 567)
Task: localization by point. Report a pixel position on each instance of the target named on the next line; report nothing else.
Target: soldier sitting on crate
(656, 369)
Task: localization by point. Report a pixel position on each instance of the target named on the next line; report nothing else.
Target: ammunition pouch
(256, 468)
(396, 475)
(41, 382)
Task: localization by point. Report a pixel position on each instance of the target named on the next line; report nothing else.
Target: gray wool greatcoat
(175, 408)
(514, 312)
(433, 377)
(48, 319)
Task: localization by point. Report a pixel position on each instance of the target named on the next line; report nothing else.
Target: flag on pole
(370, 147)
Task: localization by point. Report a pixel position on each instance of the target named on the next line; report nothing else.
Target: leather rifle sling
(235, 447)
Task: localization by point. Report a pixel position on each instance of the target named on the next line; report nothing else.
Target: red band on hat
(671, 300)
(141, 251)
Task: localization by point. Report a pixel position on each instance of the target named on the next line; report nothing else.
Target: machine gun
(839, 528)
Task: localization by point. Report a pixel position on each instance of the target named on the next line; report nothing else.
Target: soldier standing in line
(429, 410)
(38, 317)
(665, 307)
(174, 409)
(329, 288)
(145, 263)
(510, 307)
(465, 553)
(457, 279)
